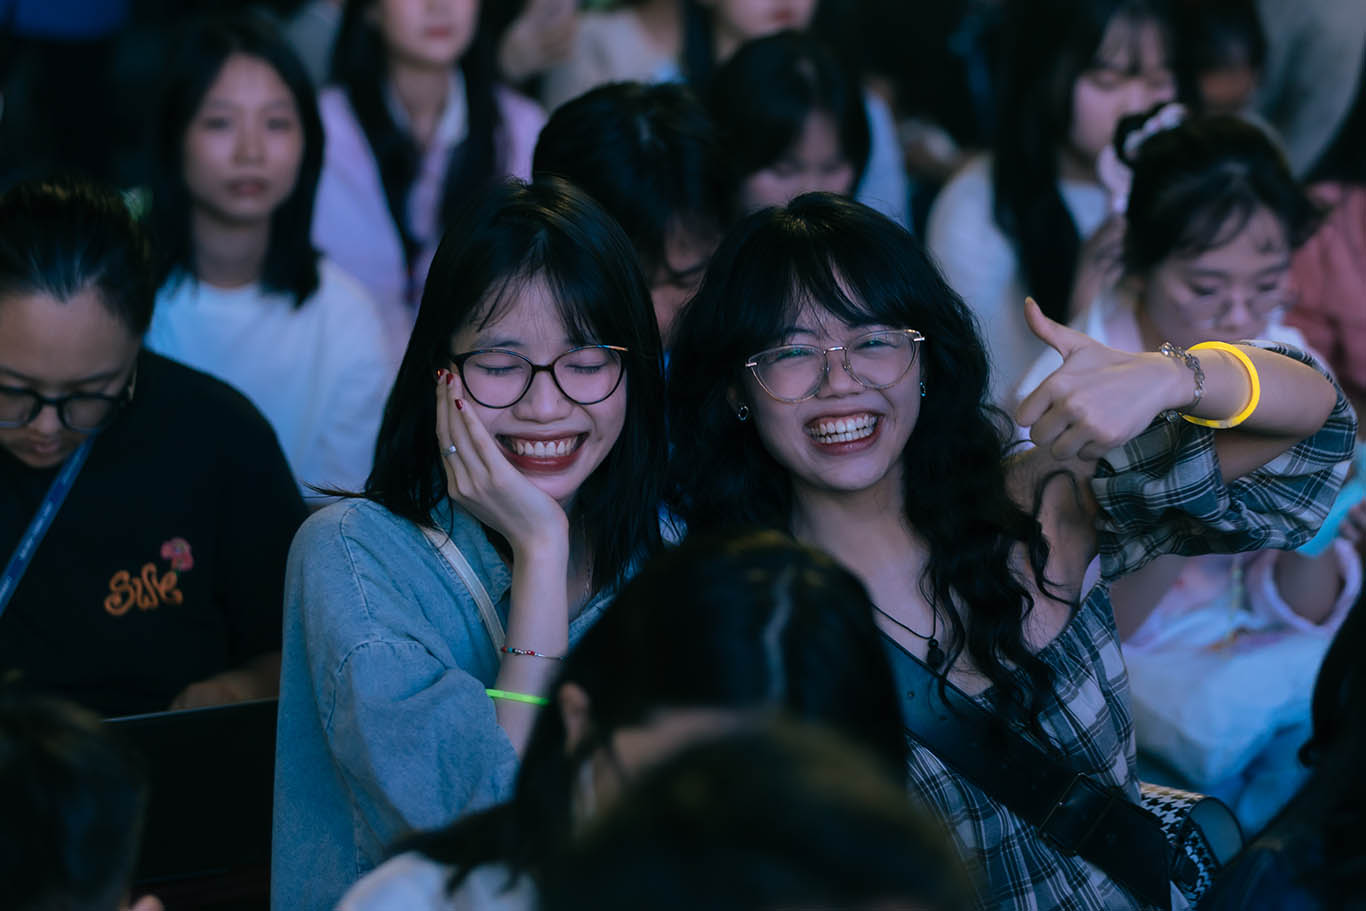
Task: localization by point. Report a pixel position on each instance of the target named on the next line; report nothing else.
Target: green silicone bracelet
(517, 697)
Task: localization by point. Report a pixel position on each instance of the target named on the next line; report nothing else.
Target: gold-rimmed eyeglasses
(877, 360)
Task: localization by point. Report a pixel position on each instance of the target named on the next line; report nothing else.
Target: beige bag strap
(446, 547)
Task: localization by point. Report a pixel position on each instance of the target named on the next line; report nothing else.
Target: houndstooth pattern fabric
(1172, 808)
(1160, 493)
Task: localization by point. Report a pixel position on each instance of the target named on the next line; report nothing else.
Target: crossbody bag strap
(41, 522)
(1075, 813)
(446, 547)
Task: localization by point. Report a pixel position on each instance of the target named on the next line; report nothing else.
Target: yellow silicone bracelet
(1252, 400)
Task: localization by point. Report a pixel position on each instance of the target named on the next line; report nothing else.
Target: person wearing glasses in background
(1212, 218)
(145, 509)
(516, 485)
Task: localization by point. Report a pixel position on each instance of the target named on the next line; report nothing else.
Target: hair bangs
(584, 296)
(1198, 185)
(856, 278)
(861, 267)
(513, 234)
(1217, 223)
(1125, 44)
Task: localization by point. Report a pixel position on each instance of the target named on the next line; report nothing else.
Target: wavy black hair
(510, 233)
(762, 96)
(647, 153)
(291, 264)
(862, 269)
(1195, 187)
(747, 621)
(360, 67)
(61, 236)
(1048, 45)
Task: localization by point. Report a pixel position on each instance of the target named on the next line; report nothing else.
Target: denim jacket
(384, 725)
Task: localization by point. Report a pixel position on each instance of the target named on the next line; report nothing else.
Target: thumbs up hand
(1100, 397)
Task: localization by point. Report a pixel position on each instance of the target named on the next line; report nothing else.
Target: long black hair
(762, 96)
(291, 264)
(360, 67)
(513, 232)
(1195, 187)
(647, 153)
(1048, 45)
(746, 621)
(862, 268)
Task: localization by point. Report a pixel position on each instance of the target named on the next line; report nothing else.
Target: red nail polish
(459, 404)
(450, 378)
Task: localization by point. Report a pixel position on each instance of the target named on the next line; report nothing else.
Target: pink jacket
(1330, 272)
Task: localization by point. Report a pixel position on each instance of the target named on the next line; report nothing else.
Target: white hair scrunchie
(1114, 173)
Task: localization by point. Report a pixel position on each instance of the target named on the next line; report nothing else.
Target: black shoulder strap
(1074, 812)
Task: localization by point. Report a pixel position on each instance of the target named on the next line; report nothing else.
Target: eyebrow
(93, 378)
(226, 103)
(511, 343)
(1280, 266)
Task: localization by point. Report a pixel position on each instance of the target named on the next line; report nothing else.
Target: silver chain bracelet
(1193, 362)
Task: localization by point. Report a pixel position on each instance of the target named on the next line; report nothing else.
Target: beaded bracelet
(529, 653)
(1253, 399)
(517, 697)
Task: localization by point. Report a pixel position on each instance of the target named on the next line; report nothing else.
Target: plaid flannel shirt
(1160, 493)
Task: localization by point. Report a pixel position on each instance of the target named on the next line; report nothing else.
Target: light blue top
(384, 724)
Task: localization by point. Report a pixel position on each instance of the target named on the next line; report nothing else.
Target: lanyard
(42, 520)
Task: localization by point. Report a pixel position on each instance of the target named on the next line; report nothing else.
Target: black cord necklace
(934, 655)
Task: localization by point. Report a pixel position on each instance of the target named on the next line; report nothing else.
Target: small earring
(922, 389)
(742, 413)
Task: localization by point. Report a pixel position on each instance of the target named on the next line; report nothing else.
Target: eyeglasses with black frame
(81, 412)
(499, 378)
(876, 360)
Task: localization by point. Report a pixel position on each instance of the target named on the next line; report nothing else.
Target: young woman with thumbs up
(828, 382)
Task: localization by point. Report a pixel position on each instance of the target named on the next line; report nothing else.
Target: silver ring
(451, 450)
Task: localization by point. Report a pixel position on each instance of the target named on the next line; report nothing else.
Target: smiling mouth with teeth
(542, 449)
(842, 430)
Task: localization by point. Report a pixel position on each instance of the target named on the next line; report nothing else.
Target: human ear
(575, 710)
